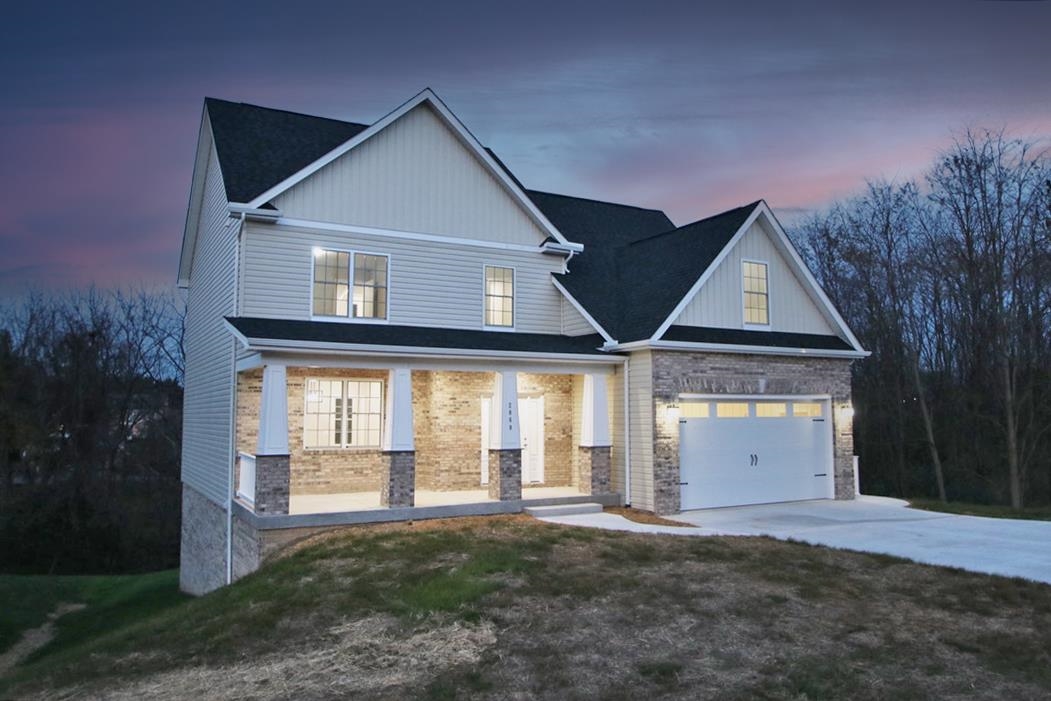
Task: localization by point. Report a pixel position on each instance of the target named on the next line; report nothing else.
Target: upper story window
(756, 294)
(350, 284)
(343, 413)
(499, 296)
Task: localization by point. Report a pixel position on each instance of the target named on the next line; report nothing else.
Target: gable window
(756, 294)
(349, 284)
(343, 413)
(499, 296)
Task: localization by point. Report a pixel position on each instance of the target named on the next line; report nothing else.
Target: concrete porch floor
(367, 501)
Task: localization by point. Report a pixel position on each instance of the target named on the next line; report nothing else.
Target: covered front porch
(349, 436)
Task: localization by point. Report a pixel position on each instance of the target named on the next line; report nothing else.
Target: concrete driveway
(1009, 547)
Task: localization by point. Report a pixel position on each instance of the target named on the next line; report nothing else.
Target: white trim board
(785, 246)
(739, 349)
(458, 128)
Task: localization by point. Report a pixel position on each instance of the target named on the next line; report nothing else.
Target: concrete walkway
(1008, 547)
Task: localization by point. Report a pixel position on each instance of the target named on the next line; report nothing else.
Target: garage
(746, 450)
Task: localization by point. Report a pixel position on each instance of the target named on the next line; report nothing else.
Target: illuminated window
(337, 283)
(756, 296)
(499, 296)
(343, 413)
(806, 409)
(694, 410)
(731, 410)
(771, 410)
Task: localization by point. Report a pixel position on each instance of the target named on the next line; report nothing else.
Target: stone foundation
(399, 484)
(505, 474)
(271, 484)
(595, 469)
(202, 550)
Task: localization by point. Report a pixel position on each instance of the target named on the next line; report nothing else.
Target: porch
(350, 438)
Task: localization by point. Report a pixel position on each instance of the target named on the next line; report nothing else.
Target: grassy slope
(476, 608)
(1037, 513)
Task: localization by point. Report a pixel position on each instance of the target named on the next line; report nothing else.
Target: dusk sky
(689, 107)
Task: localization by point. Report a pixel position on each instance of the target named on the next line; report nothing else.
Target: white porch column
(504, 433)
(594, 423)
(400, 433)
(273, 412)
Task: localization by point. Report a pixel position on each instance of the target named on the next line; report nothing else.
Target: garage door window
(806, 409)
(771, 410)
(732, 410)
(694, 410)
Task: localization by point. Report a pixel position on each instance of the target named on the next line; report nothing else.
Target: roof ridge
(592, 199)
(276, 109)
(677, 229)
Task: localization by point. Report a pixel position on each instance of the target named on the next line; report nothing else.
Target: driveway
(1008, 547)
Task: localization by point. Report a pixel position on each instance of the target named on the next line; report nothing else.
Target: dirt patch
(35, 638)
(644, 517)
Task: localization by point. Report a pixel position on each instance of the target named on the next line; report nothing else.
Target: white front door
(531, 423)
(748, 451)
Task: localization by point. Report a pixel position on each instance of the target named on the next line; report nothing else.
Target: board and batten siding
(415, 175)
(431, 283)
(573, 322)
(719, 302)
(640, 424)
(206, 443)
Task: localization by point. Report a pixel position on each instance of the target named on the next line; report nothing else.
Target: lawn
(1034, 513)
(508, 606)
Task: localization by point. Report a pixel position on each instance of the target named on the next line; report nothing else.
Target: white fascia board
(452, 121)
(193, 206)
(399, 234)
(706, 274)
(583, 312)
(238, 209)
(740, 349)
(804, 272)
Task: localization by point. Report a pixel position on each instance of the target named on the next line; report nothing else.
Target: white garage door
(749, 451)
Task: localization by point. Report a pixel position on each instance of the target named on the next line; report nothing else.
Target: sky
(691, 107)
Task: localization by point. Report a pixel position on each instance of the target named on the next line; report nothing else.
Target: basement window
(343, 413)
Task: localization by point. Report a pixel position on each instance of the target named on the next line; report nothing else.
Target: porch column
(271, 462)
(594, 451)
(505, 441)
(399, 482)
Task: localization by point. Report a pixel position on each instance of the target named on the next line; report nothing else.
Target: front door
(531, 423)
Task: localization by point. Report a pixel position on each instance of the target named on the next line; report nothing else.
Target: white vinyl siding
(641, 425)
(415, 175)
(430, 283)
(719, 302)
(573, 322)
(206, 445)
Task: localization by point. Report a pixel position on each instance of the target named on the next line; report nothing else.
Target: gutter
(233, 414)
(740, 348)
(243, 211)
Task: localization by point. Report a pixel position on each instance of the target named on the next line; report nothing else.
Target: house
(383, 324)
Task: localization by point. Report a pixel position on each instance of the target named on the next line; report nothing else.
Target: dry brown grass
(566, 613)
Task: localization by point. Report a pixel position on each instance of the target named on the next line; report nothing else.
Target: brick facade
(399, 482)
(505, 474)
(447, 410)
(595, 470)
(676, 372)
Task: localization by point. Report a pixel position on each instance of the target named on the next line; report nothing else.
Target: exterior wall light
(845, 412)
(672, 412)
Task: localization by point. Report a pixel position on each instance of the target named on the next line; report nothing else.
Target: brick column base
(595, 470)
(271, 484)
(505, 474)
(399, 483)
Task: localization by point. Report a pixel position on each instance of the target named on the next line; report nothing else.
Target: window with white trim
(350, 285)
(343, 413)
(756, 294)
(499, 296)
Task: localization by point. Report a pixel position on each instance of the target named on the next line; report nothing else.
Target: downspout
(233, 415)
(627, 435)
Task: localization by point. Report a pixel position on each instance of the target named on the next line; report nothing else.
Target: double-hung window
(756, 294)
(343, 413)
(499, 296)
(352, 285)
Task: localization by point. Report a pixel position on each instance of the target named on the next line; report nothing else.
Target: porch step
(563, 509)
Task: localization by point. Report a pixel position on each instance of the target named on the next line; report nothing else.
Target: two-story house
(384, 324)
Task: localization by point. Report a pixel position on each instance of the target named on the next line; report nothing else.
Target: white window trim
(345, 448)
(514, 297)
(349, 319)
(769, 312)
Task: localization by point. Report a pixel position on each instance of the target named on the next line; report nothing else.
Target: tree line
(947, 281)
(90, 432)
